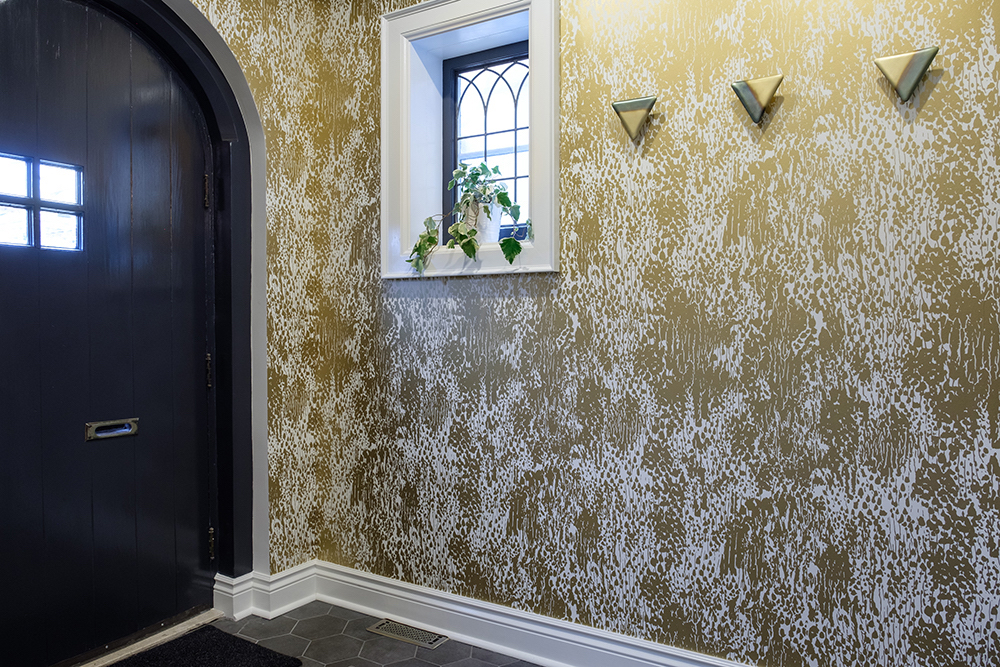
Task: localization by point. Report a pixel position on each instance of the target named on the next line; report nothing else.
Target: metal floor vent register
(407, 633)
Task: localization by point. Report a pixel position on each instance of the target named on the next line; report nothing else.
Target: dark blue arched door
(105, 316)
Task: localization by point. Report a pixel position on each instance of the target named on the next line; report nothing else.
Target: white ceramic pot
(489, 226)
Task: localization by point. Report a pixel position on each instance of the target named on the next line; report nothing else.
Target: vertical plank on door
(109, 256)
(63, 339)
(194, 578)
(21, 517)
(153, 336)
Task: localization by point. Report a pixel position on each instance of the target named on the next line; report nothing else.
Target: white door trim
(230, 67)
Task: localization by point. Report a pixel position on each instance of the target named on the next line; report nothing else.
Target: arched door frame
(185, 36)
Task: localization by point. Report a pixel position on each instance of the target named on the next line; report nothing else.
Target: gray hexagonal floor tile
(319, 627)
(314, 608)
(287, 644)
(475, 662)
(491, 657)
(350, 614)
(332, 649)
(445, 653)
(413, 662)
(385, 650)
(358, 628)
(231, 626)
(354, 662)
(259, 628)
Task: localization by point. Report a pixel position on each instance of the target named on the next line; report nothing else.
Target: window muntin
(41, 203)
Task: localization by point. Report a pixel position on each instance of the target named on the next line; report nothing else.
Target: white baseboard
(544, 641)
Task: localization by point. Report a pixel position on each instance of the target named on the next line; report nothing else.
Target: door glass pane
(60, 230)
(59, 183)
(14, 176)
(14, 225)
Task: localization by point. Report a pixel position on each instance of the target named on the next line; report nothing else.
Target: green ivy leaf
(451, 184)
(496, 170)
(515, 211)
(511, 248)
(504, 199)
(470, 248)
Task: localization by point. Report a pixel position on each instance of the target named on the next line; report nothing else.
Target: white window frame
(415, 42)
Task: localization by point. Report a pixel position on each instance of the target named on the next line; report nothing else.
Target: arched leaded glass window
(486, 120)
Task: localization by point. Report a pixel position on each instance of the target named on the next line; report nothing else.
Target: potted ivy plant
(482, 196)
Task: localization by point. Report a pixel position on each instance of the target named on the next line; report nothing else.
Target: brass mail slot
(117, 428)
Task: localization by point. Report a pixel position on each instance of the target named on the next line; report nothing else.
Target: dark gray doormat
(209, 647)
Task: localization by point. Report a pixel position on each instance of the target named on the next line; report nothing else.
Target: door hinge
(208, 370)
(211, 543)
(206, 192)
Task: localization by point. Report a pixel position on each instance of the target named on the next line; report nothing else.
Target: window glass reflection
(60, 230)
(14, 176)
(60, 184)
(14, 225)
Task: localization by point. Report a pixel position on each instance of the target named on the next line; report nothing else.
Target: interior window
(486, 120)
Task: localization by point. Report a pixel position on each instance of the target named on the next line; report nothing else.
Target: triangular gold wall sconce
(633, 113)
(756, 94)
(905, 70)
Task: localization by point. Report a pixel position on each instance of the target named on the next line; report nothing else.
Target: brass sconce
(756, 94)
(905, 70)
(633, 113)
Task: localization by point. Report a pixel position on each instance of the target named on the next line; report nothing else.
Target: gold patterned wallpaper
(755, 415)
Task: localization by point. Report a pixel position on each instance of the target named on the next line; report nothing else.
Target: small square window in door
(15, 224)
(61, 184)
(60, 231)
(56, 203)
(14, 176)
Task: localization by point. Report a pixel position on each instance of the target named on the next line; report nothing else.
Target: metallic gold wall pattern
(756, 415)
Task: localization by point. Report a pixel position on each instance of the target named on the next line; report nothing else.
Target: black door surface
(105, 299)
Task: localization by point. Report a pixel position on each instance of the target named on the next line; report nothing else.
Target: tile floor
(322, 635)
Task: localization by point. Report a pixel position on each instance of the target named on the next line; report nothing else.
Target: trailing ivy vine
(480, 191)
